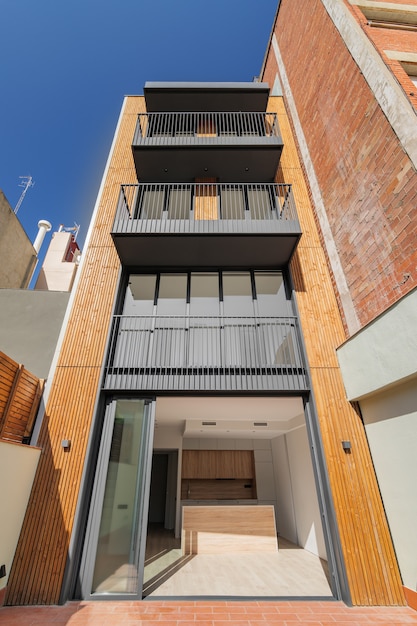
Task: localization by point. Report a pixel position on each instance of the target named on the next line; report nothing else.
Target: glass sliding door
(113, 558)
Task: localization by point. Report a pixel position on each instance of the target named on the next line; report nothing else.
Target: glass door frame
(88, 559)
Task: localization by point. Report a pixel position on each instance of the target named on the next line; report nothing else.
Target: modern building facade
(197, 362)
(200, 322)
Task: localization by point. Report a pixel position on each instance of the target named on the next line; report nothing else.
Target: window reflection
(115, 569)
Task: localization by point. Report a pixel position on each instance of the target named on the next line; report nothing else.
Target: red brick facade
(391, 39)
(367, 181)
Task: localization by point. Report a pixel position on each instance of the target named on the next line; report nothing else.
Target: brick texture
(368, 184)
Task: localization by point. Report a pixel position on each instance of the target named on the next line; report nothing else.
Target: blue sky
(66, 65)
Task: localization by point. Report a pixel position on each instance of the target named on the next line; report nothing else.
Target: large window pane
(116, 563)
(239, 347)
(172, 296)
(270, 293)
(169, 340)
(237, 293)
(204, 293)
(133, 329)
(259, 201)
(232, 203)
(179, 203)
(151, 202)
(140, 294)
(204, 328)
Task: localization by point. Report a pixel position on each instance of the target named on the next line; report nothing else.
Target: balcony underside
(207, 250)
(255, 162)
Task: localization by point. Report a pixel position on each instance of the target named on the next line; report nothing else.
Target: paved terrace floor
(206, 613)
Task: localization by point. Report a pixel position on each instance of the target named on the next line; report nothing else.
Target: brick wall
(393, 40)
(368, 184)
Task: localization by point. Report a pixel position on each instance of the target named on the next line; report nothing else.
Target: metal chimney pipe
(44, 227)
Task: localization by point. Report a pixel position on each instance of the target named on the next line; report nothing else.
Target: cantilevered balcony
(189, 353)
(206, 225)
(239, 146)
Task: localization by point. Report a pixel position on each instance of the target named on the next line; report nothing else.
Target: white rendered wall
(391, 425)
(383, 353)
(18, 465)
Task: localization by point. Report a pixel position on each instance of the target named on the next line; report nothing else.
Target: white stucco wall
(18, 465)
(57, 274)
(383, 353)
(391, 425)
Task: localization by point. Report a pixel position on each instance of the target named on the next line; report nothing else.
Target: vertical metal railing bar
(185, 125)
(143, 206)
(254, 350)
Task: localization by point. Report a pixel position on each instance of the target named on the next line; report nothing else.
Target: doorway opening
(271, 431)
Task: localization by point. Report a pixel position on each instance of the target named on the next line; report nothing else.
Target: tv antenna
(27, 181)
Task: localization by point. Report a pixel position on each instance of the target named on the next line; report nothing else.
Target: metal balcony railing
(204, 127)
(159, 206)
(211, 353)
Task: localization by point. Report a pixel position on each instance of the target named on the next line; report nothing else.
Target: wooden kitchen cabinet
(212, 464)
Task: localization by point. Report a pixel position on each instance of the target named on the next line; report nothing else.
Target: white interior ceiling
(237, 417)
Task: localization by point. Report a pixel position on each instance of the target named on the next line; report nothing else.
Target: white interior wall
(306, 507)
(391, 425)
(285, 513)
(298, 514)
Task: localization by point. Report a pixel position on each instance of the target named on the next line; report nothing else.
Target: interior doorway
(163, 547)
(162, 499)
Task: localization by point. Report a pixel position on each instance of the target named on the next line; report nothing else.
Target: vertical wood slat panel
(38, 568)
(371, 565)
(20, 393)
(205, 201)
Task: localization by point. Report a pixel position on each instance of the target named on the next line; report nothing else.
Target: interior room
(222, 467)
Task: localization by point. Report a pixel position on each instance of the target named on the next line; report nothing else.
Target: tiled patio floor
(206, 613)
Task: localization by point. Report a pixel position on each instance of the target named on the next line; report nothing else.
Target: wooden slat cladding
(38, 568)
(205, 200)
(369, 556)
(20, 394)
